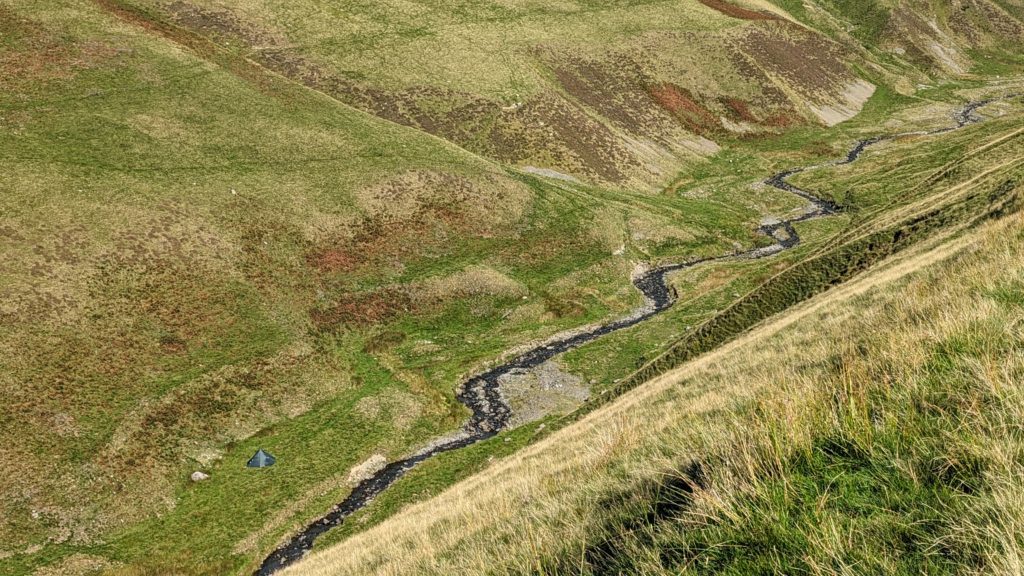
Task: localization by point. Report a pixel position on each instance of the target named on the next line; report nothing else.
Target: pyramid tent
(261, 460)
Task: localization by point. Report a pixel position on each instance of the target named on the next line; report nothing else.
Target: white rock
(198, 476)
(367, 469)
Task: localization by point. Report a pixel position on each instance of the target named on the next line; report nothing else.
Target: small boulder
(367, 469)
(198, 476)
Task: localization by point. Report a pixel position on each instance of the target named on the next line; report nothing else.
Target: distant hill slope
(618, 93)
(934, 38)
(872, 429)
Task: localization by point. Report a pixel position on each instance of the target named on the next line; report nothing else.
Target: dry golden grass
(538, 503)
(472, 281)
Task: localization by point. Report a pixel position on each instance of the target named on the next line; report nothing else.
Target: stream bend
(481, 393)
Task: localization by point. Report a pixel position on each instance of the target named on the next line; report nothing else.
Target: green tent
(261, 460)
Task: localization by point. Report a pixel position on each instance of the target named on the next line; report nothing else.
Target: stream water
(481, 394)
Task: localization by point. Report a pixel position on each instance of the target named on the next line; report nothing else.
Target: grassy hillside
(159, 220)
(872, 429)
(623, 93)
(299, 225)
(591, 89)
(935, 38)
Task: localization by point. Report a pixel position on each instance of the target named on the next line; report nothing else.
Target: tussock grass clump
(874, 429)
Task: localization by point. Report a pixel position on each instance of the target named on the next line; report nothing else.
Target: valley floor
(873, 429)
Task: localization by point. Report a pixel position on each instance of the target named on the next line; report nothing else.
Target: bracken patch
(333, 260)
(32, 55)
(740, 110)
(739, 12)
(681, 103)
(363, 309)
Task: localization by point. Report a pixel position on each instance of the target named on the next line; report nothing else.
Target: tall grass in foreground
(897, 451)
(875, 429)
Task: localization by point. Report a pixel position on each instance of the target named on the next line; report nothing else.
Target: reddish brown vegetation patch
(772, 116)
(740, 110)
(333, 260)
(737, 11)
(681, 103)
(417, 214)
(783, 119)
(618, 88)
(384, 242)
(34, 55)
(363, 309)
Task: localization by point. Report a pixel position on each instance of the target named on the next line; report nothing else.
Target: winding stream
(481, 394)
